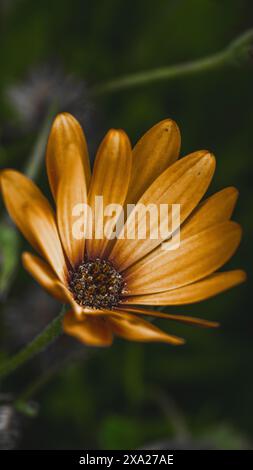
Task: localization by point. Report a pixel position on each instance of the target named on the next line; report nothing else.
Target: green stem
(38, 344)
(163, 73)
(33, 165)
(171, 411)
(24, 403)
(237, 52)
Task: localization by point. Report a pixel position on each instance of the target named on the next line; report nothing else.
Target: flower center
(97, 284)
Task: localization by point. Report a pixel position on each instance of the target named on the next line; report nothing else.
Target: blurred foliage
(107, 401)
(9, 242)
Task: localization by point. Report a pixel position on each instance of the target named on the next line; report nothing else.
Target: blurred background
(53, 54)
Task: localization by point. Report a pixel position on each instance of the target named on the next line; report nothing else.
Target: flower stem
(38, 344)
(24, 402)
(36, 158)
(237, 52)
(163, 73)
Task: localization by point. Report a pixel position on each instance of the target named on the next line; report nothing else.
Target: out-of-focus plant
(47, 89)
(9, 238)
(9, 424)
(9, 243)
(237, 54)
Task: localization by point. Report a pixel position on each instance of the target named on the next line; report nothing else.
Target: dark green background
(133, 395)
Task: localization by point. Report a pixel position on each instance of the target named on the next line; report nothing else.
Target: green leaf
(9, 249)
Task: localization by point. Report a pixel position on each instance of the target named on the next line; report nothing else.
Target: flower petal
(217, 208)
(33, 215)
(134, 328)
(90, 331)
(110, 179)
(183, 183)
(71, 192)
(65, 130)
(180, 318)
(125, 309)
(157, 149)
(197, 257)
(201, 290)
(44, 275)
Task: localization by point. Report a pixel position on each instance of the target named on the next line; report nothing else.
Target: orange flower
(106, 283)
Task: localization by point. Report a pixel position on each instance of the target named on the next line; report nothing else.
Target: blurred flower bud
(9, 427)
(45, 91)
(44, 87)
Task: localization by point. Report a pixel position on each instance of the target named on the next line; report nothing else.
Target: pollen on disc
(97, 284)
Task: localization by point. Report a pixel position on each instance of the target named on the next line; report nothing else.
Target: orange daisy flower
(107, 282)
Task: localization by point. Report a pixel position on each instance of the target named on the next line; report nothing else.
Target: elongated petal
(184, 183)
(90, 331)
(201, 290)
(134, 328)
(180, 318)
(217, 208)
(126, 309)
(110, 179)
(44, 275)
(157, 149)
(197, 257)
(65, 130)
(71, 193)
(34, 217)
